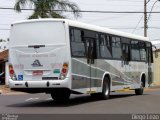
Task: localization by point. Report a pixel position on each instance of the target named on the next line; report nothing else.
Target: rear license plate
(37, 73)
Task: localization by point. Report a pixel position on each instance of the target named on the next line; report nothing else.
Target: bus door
(150, 61)
(90, 44)
(125, 60)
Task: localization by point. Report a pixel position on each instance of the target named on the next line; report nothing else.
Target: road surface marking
(49, 99)
(32, 99)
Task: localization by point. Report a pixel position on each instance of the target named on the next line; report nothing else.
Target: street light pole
(145, 18)
(145, 15)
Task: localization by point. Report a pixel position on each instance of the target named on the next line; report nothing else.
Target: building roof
(4, 55)
(157, 50)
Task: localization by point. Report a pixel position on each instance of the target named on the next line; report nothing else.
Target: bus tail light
(12, 73)
(64, 71)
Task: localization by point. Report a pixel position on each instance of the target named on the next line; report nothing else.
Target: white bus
(63, 57)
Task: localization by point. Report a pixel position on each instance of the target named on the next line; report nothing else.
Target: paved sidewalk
(4, 89)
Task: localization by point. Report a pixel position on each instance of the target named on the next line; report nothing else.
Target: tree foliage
(47, 8)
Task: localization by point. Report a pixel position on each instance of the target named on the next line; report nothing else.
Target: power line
(151, 10)
(4, 24)
(85, 11)
(124, 0)
(158, 39)
(154, 27)
(137, 24)
(4, 29)
(148, 1)
(133, 28)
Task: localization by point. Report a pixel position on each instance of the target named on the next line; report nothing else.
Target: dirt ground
(4, 89)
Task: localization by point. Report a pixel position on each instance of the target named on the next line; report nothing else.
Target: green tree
(47, 8)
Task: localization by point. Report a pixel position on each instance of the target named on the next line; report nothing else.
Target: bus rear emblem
(36, 63)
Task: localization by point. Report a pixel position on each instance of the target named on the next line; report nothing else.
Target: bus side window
(135, 54)
(77, 43)
(125, 52)
(126, 49)
(89, 36)
(142, 51)
(109, 44)
(116, 48)
(104, 47)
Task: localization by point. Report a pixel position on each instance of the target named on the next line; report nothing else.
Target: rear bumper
(15, 85)
(38, 90)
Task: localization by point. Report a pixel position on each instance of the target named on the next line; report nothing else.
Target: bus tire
(105, 89)
(61, 95)
(140, 90)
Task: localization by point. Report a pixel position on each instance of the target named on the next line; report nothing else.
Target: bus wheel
(61, 95)
(105, 89)
(140, 90)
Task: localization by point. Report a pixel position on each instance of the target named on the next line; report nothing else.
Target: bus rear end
(38, 56)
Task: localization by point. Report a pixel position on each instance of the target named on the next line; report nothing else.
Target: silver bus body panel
(121, 77)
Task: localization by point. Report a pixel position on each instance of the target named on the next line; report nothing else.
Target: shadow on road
(72, 102)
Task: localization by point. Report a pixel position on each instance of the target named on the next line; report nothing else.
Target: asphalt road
(119, 103)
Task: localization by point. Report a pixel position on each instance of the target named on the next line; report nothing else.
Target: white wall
(3, 46)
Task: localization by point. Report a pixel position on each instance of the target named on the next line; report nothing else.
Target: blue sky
(122, 22)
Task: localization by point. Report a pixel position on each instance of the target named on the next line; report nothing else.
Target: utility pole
(145, 18)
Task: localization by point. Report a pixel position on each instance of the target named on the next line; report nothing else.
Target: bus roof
(89, 27)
